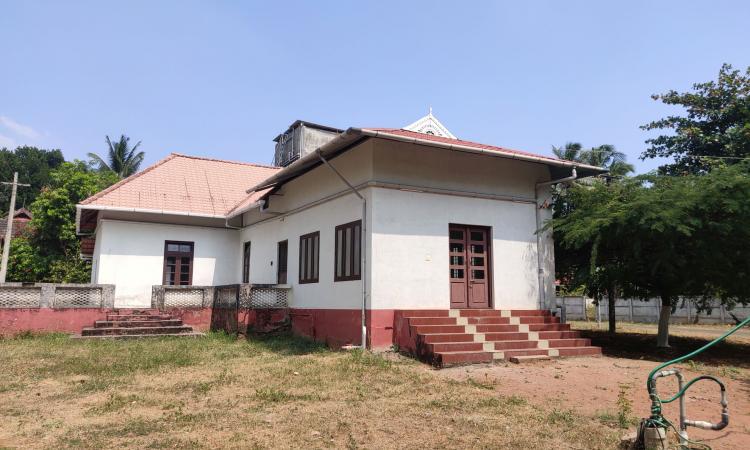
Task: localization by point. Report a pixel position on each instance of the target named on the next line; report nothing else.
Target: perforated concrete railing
(181, 296)
(20, 297)
(51, 295)
(77, 298)
(230, 296)
(267, 297)
(184, 298)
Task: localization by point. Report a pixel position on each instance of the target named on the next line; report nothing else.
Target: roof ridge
(106, 191)
(205, 158)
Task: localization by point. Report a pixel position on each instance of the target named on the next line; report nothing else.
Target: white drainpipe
(362, 245)
(539, 224)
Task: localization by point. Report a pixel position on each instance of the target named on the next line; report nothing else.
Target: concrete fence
(634, 310)
(54, 295)
(575, 307)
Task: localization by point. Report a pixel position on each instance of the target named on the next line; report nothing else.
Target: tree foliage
(33, 166)
(661, 236)
(716, 127)
(50, 250)
(606, 156)
(121, 158)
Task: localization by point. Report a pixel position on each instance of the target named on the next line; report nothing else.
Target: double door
(469, 255)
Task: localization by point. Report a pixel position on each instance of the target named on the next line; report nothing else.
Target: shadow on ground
(286, 344)
(643, 346)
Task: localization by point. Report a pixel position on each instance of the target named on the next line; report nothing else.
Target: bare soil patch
(594, 387)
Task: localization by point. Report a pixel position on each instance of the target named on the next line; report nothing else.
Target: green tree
(121, 158)
(50, 250)
(33, 166)
(584, 256)
(665, 237)
(714, 130)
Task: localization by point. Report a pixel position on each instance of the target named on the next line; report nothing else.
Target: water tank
(300, 139)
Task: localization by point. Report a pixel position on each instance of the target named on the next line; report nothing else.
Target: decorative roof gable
(429, 124)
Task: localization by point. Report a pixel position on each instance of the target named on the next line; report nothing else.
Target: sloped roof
(460, 142)
(349, 138)
(21, 217)
(186, 184)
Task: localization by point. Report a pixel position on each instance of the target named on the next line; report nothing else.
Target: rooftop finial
(429, 124)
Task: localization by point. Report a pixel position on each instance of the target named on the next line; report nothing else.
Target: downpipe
(362, 245)
(539, 224)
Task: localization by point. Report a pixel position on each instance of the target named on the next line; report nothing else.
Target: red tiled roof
(446, 140)
(189, 184)
(21, 218)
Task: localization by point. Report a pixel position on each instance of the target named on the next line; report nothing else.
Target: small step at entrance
(129, 324)
(465, 336)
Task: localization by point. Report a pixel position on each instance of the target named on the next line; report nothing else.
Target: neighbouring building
(389, 218)
(21, 219)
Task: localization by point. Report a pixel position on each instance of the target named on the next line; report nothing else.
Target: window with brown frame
(309, 256)
(178, 263)
(347, 254)
(246, 262)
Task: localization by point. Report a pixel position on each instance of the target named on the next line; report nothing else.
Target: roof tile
(187, 184)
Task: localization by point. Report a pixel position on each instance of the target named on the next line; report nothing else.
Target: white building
(380, 219)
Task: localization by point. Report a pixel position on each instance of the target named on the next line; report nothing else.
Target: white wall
(410, 241)
(264, 237)
(130, 255)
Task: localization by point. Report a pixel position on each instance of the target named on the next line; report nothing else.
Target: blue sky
(221, 79)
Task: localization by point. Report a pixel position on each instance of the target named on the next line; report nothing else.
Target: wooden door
(470, 276)
(457, 261)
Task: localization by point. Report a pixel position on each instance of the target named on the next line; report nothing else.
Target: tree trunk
(611, 299)
(662, 338)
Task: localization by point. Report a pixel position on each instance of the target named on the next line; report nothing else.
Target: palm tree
(609, 157)
(571, 151)
(123, 160)
(606, 156)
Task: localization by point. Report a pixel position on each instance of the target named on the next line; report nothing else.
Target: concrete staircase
(138, 323)
(465, 336)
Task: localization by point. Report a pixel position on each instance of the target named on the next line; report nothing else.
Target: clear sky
(222, 79)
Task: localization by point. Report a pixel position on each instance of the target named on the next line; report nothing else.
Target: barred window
(309, 255)
(347, 254)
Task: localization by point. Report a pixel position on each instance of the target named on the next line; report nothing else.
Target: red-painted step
(442, 338)
(432, 321)
(447, 337)
(138, 323)
(488, 320)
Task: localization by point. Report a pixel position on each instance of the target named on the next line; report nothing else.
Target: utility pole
(9, 230)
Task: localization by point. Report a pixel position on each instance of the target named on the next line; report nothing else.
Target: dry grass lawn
(218, 392)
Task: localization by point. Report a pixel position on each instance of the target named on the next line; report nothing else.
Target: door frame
(490, 268)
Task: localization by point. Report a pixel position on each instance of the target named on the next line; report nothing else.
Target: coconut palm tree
(571, 151)
(609, 157)
(606, 156)
(122, 159)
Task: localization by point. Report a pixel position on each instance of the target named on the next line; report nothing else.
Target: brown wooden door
(469, 266)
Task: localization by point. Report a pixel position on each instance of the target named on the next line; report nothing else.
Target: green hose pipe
(656, 402)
